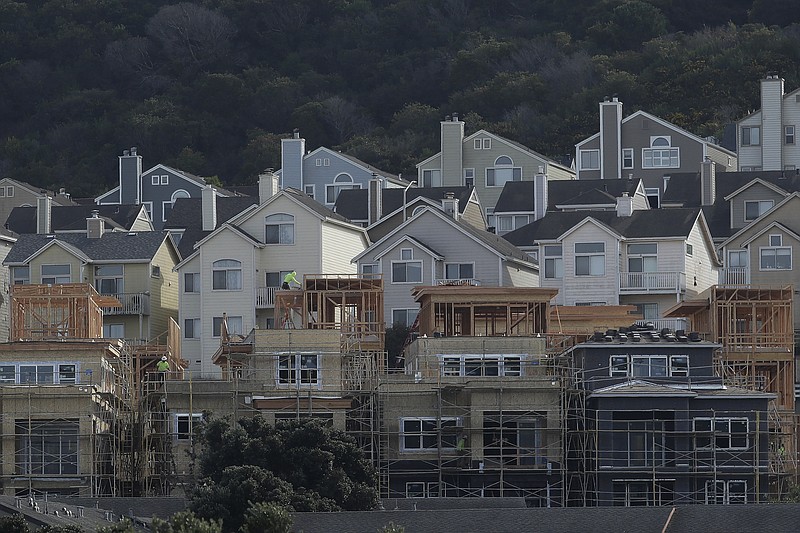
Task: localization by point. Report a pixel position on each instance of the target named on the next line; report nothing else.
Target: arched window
(279, 229)
(166, 207)
(661, 154)
(227, 275)
(340, 182)
(502, 172)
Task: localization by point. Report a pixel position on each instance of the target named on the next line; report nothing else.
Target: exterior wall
(474, 216)
(701, 265)
(591, 288)
(516, 275)
(163, 290)
(190, 306)
(16, 195)
(5, 247)
(749, 156)
(725, 162)
(292, 152)
(771, 123)
(320, 176)
(756, 191)
(56, 255)
(339, 246)
(452, 146)
(791, 117)
(158, 194)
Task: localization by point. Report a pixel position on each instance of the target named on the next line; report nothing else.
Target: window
(590, 159)
(482, 144)
(10, 191)
(788, 134)
(776, 256)
(627, 158)
(406, 270)
(113, 331)
(41, 374)
(148, 206)
(67, 373)
(648, 366)
(21, 275)
(431, 178)
(689, 249)
(737, 258)
(164, 179)
(275, 279)
(191, 282)
(370, 270)
(481, 365)
(422, 433)
(319, 162)
(404, 317)
(46, 447)
(340, 183)
(637, 439)
(415, 489)
(590, 259)
(756, 208)
(649, 311)
(155, 271)
(309, 189)
(490, 218)
(294, 367)
(721, 433)
(469, 177)
(661, 154)
(653, 197)
(154, 180)
(108, 279)
(506, 223)
(643, 257)
(406, 254)
(722, 492)
(166, 207)
(234, 326)
(751, 135)
(513, 438)
(553, 262)
(279, 228)
(326, 161)
(227, 275)
(52, 274)
(459, 270)
(191, 328)
(184, 425)
(502, 172)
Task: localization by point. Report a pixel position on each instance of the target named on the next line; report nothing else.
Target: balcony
(133, 303)
(461, 281)
(674, 324)
(265, 297)
(652, 282)
(734, 276)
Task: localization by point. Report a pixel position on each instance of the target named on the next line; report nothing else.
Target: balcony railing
(135, 303)
(652, 282)
(265, 297)
(675, 324)
(734, 276)
(460, 281)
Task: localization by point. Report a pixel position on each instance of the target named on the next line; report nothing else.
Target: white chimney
(540, 194)
(375, 200)
(209, 208)
(44, 209)
(267, 185)
(708, 182)
(95, 226)
(624, 205)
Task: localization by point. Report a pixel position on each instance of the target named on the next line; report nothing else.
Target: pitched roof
(73, 217)
(353, 203)
(644, 223)
(187, 214)
(517, 196)
(114, 246)
(59, 199)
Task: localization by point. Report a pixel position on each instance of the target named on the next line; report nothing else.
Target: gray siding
(753, 193)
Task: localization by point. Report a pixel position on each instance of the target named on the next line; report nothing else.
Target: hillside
(211, 86)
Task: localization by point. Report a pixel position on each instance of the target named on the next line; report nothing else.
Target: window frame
(788, 134)
(749, 135)
(627, 158)
(36, 441)
(491, 173)
(591, 257)
(408, 311)
(216, 326)
(119, 279)
(709, 438)
(233, 277)
(286, 375)
(338, 185)
(759, 204)
(194, 284)
(55, 277)
(190, 420)
(659, 155)
(556, 261)
(406, 281)
(622, 365)
(429, 427)
(281, 221)
(775, 250)
(18, 280)
(310, 187)
(460, 266)
(591, 154)
(475, 365)
(194, 329)
(428, 175)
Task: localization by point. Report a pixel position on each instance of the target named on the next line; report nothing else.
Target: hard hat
(163, 357)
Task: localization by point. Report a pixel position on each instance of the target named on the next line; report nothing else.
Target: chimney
(452, 157)
(292, 153)
(44, 214)
(130, 172)
(610, 139)
(375, 200)
(450, 205)
(95, 226)
(267, 186)
(708, 182)
(540, 198)
(209, 195)
(624, 205)
(772, 122)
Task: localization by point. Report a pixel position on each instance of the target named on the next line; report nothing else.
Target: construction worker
(163, 367)
(461, 448)
(288, 279)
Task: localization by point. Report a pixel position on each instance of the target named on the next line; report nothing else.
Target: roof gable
(767, 228)
(412, 240)
(753, 183)
(589, 220)
(767, 218)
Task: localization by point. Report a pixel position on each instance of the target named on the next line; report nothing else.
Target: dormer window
(755, 208)
(661, 154)
(502, 172)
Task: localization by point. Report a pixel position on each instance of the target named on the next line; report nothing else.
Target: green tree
(14, 524)
(267, 518)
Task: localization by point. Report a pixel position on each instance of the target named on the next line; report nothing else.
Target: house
(662, 429)
(650, 258)
(643, 146)
(434, 248)
(381, 210)
(234, 271)
(15, 193)
(766, 138)
(156, 189)
(44, 217)
(485, 161)
(323, 173)
(6, 242)
(523, 202)
(134, 267)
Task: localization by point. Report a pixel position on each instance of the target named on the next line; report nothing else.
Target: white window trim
(148, 207)
(296, 368)
(195, 282)
(193, 418)
(749, 128)
(760, 212)
(726, 495)
(281, 223)
(421, 273)
(787, 135)
(762, 249)
(10, 191)
(459, 263)
(580, 159)
(629, 151)
(406, 309)
(56, 371)
(713, 432)
(196, 328)
(487, 143)
(164, 179)
(226, 270)
(310, 187)
(220, 327)
(590, 254)
(516, 364)
(41, 273)
(671, 369)
(155, 179)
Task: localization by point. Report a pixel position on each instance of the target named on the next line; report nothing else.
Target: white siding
(701, 265)
(591, 288)
(339, 246)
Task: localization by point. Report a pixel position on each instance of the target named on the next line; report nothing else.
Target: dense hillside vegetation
(211, 86)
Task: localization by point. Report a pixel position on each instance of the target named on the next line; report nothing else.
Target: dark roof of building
(243, 190)
(644, 223)
(353, 203)
(366, 165)
(73, 217)
(187, 214)
(517, 196)
(112, 246)
(315, 206)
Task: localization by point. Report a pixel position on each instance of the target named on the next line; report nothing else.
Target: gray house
(644, 146)
(323, 173)
(156, 189)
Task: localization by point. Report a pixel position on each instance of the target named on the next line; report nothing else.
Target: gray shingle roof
(73, 217)
(352, 203)
(517, 196)
(139, 246)
(187, 214)
(647, 223)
